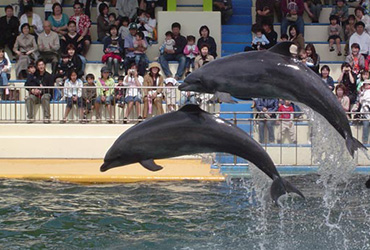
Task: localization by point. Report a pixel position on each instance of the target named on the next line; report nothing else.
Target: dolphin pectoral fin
(150, 165)
(280, 187)
(282, 48)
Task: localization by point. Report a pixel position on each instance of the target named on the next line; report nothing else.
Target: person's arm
(274, 107)
(307, 9)
(9, 66)
(330, 82)
(352, 78)
(196, 62)
(259, 105)
(134, 7)
(186, 50)
(80, 86)
(87, 25)
(346, 103)
(55, 44)
(38, 23)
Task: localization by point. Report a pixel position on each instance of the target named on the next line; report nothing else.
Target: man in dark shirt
(270, 34)
(226, 9)
(9, 25)
(264, 11)
(39, 95)
(176, 54)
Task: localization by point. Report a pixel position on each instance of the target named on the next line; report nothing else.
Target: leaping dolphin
(190, 131)
(272, 73)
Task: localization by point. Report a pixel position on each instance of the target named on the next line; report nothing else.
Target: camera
(131, 71)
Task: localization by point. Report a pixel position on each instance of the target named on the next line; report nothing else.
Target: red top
(283, 108)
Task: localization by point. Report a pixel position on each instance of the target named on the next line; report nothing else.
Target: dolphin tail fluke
(280, 187)
(368, 183)
(150, 165)
(353, 144)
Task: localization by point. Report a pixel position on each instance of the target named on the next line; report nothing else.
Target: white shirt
(133, 89)
(36, 20)
(73, 88)
(363, 40)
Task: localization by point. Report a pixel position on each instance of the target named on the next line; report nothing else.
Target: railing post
(171, 5)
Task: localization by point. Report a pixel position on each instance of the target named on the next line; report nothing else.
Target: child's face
(138, 38)
(340, 92)
(168, 37)
(287, 103)
(259, 34)
(303, 55)
(111, 19)
(65, 59)
(355, 51)
(73, 77)
(325, 72)
(365, 75)
(71, 52)
(125, 24)
(284, 39)
(90, 81)
(340, 3)
(308, 52)
(293, 32)
(120, 82)
(1, 54)
(333, 21)
(31, 70)
(191, 42)
(351, 21)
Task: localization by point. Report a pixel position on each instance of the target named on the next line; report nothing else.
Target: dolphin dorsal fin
(282, 48)
(191, 108)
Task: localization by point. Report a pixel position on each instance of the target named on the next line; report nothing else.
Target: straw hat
(154, 65)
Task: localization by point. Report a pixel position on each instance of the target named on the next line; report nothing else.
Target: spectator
(130, 50)
(153, 95)
(176, 54)
(286, 120)
(348, 79)
(48, 42)
(349, 29)
(270, 34)
(360, 16)
(325, 76)
(190, 51)
(296, 37)
(112, 18)
(364, 75)
(9, 25)
(103, 22)
(105, 93)
(206, 38)
(113, 49)
(361, 38)
(120, 92)
(170, 93)
(340, 10)
(33, 20)
(311, 53)
(127, 8)
(75, 59)
(124, 29)
(313, 9)
(49, 7)
(260, 41)
(59, 20)
(3, 71)
(25, 48)
(226, 9)
(266, 107)
(37, 95)
(83, 25)
(264, 12)
(62, 72)
(140, 47)
(292, 15)
(73, 94)
(133, 94)
(284, 38)
(146, 24)
(302, 56)
(334, 31)
(72, 38)
(340, 92)
(168, 43)
(88, 95)
(364, 100)
(98, 3)
(355, 59)
(203, 58)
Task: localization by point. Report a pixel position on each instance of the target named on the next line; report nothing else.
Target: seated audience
(146, 24)
(176, 54)
(206, 38)
(190, 51)
(25, 48)
(292, 15)
(153, 96)
(360, 16)
(140, 47)
(71, 38)
(124, 29)
(270, 33)
(83, 25)
(103, 22)
(203, 58)
(364, 100)
(113, 49)
(75, 60)
(364, 76)
(264, 12)
(64, 68)
(127, 9)
(4, 69)
(104, 93)
(88, 95)
(48, 42)
(286, 121)
(313, 56)
(133, 94)
(73, 95)
(361, 38)
(340, 92)
(325, 76)
(48, 4)
(334, 31)
(9, 26)
(296, 37)
(349, 29)
(266, 107)
(120, 92)
(170, 93)
(130, 51)
(33, 20)
(59, 20)
(39, 95)
(348, 79)
(340, 10)
(355, 59)
(260, 41)
(226, 9)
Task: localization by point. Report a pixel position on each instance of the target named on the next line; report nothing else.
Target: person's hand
(28, 53)
(18, 53)
(264, 109)
(154, 95)
(5, 69)
(290, 124)
(169, 51)
(87, 101)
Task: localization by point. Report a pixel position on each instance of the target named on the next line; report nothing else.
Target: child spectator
(296, 37)
(3, 71)
(349, 29)
(328, 80)
(334, 31)
(340, 10)
(284, 38)
(340, 92)
(133, 95)
(302, 55)
(170, 93)
(75, 60)
(146, 24)
(360, 16)
(188, 96)
(119, 92)
(355, 59)
(311, 53)
(123, 30)
(260, 41)
(286, 122)
(73, 94)
(364, 75)
(63, 70)
(348, 79)
(190, 51)
(140, 47)
(89, 95)
(168, 42)
(113, 49)
(105, 93)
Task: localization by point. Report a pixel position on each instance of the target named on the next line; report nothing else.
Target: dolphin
(190, 130)
(272, 73)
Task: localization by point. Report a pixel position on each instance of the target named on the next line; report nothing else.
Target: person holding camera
(104, 93)
(133, 94)
(348, 79)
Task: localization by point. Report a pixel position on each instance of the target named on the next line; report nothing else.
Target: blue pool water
(183, 215)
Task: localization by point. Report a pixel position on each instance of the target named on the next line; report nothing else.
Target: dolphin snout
(108, 165)
(184, 86)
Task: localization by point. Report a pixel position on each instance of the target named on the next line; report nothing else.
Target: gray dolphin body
(189, 131)
(272, 74)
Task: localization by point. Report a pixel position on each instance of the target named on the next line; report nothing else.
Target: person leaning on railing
(89, 95)
(39, 95)
(153, 95)
(267, 107)
(105, 93)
